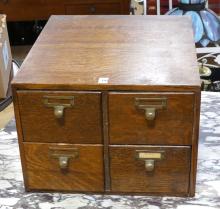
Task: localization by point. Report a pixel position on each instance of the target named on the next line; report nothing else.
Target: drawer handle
(150, 105)
(149, 165)
(92, 9)
(63, 155)
(63, 162)
(149, 158)
(58, 107)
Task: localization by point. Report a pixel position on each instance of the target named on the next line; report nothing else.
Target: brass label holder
(150, 105)
(58, 107)
(63, 154)
(149, 158)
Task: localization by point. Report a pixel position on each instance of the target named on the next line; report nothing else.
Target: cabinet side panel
(195, 138)
(19, 134)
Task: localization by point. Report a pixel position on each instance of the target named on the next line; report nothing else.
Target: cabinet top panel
(112, 53)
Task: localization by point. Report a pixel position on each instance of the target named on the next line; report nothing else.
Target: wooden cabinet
(23, 10)
(100, 107)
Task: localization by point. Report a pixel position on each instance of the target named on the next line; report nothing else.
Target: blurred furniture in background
(23, 10)
(28, 17)
(154, 7)
(5, 64)
(206, 25)
(7, 68)
(209, 67)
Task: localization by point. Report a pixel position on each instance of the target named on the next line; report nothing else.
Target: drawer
(64, 167)
(151, 118)
(96, 8)
(150, 169)
(67, 117)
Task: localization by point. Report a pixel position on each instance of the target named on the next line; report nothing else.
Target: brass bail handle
(63, 155)
(149, 165)
(63, 162)
(58, 106)
(58, 111)
(149, 158)
(150, 105)
(150, 113)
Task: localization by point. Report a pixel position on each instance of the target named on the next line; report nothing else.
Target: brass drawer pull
(149, 158)
(63, 162)
(150, 105)
(149, 165)
(63, 155)
(92, 9)
(58, 107)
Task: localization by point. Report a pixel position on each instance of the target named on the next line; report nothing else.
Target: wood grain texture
(20, 135)
(78, 50)
(80, 124)
(172, 125)
(195, 140)
(84, 173)
(69, 57)
(170, 176)
(22, 10)
(106, 140)
(112, 7)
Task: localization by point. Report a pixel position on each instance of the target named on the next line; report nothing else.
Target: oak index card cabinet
(110, 104)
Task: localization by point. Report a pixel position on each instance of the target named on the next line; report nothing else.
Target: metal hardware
(149, 158)
(93, 9)
(64, 155)
(150, 105)
(58, 111)
(204, 71)
(58, 107)
(149, 155)
(149, 165)
(150, 113)
(63, 162)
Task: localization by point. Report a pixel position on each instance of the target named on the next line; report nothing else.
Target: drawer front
(64, 167)
(150, 169)
(151, 118)
(97, 8)
(67, 117)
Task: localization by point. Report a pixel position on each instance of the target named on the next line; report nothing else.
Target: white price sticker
(103, 80)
